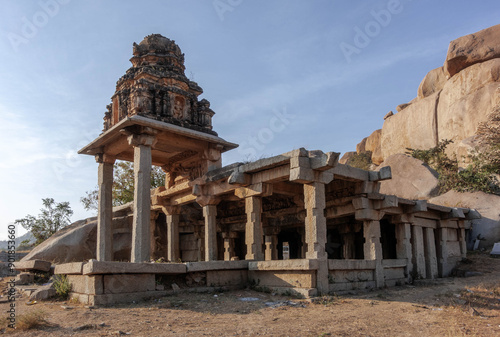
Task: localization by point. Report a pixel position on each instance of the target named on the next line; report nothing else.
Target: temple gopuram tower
(155, 118)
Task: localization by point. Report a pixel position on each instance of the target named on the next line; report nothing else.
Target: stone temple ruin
(298, 222)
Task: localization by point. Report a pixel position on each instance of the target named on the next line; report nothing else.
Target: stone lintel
(205, 200)
(403, 218)
(260, 190)
(94, 267)
(325, 162)
(350, 172)
(361, 203)
(384, 173)
(455, 213)
(420, 206)
(302, 175)
(388, 202)
(171, 210)
(32, 265)
(365, 187)
(146, 137)
(73, 268)
(303, 264)
(216, 265)
(368, 214)
(473, 214)
(339, 211)
(240, 178)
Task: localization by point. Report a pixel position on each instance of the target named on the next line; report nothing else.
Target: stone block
(43, 293)
(219, 278)
(108, 267)
(394, 273)
(303, 264)
(342, 276)
(128, 283)
(108, 299)
(25, 279)
(38, 265)
(216, 265)
(86, 284)
(73, 268)
(334, 287)
(351, 264)
(298, 279)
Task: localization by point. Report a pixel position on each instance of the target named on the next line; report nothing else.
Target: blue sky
(257, 60)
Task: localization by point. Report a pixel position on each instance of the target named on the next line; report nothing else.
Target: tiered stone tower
(154, 118)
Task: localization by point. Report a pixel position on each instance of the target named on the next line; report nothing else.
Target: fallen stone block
(38, 265)
(25, 279)
(43, 293)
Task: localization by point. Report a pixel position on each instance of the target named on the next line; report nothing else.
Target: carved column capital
(103, 158)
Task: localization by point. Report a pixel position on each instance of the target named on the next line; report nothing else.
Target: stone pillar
(155, 248)
(105, 209)
(462, 241)
(418, 252)
(173, 254)
(210, 214)
(271, 252)
(198, 234)
(403, 246)
(315, 231)
(431, 266)
(442, 254)
(229, 245)
(373, 249)
(142, 197)
(253, 229)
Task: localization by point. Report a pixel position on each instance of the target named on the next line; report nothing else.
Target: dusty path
(452, 307)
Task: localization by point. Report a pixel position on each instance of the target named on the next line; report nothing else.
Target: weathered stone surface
(106, 267)
(389, 114)
(473, 48)
(345, 158)
(128, 283)
(76, 242)
(222, 278)
(299, 279)
(284, 265)
(411, 178)
(403, 106)
(373, 144)
(216, 265)
(69, 268)
(414, 127)
(487, 205)
(433, 82)
(361, 146)
(38, 265)
(25, 279)
(466, 100)
(43, 293)
(86, 284)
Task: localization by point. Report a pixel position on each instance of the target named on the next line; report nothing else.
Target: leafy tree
(54, 216)
(123, 185)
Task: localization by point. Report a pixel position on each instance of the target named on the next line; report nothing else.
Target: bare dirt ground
(449, 307)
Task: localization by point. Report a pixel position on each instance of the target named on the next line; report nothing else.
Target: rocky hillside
(452, 102)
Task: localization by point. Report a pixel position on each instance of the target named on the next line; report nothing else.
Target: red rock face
(156, 87)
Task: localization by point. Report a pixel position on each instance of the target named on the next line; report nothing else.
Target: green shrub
(361, 160)
(479, 175)
(62, 286)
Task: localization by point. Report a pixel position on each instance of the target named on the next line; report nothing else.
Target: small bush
(479, 175)
(62, 286)
(32, 320)
(362, 160)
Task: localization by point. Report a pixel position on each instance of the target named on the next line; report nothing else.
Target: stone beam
(260, 189)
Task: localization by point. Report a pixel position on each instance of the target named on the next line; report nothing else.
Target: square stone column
(142, 197)
(229, 245)
(373, 249)
(442, 252)
(315, 231)
(105, 209)
(271, 252)
(418, 252)
(253, 229)
(173, 253)
(403, 246)
(431, 266)
(462, 241)
(348, 248)
(210, 214)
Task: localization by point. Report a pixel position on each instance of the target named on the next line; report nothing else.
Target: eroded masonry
(297, 222)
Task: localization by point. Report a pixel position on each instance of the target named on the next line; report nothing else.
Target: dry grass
(35, 319)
